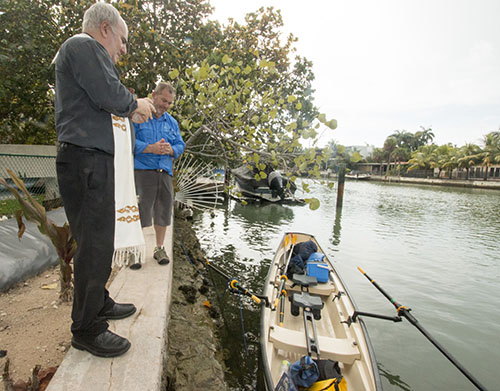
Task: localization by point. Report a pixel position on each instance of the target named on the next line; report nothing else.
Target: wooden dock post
(340, 186)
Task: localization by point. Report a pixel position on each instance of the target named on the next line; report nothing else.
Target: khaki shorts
(156, 194)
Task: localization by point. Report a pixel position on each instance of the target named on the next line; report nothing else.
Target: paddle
(404, 311)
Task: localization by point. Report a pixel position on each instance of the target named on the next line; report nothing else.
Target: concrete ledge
(479, 184)
(143, 366)
(24, 149)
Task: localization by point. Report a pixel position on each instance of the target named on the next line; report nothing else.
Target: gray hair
(164, 85)
(98, 13)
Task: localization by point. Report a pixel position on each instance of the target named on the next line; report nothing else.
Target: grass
(9, 206)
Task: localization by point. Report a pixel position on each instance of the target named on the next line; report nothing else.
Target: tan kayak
(315, 320)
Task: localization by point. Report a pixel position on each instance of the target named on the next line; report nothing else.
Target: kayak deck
(337, 338)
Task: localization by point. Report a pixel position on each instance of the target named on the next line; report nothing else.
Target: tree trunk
(227, 181)
(65, 274)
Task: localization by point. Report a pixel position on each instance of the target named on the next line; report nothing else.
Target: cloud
(391, 64)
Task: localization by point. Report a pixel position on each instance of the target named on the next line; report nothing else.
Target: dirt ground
(34, 326)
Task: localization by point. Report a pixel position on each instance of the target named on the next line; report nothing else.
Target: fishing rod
(282, 291)
(235, 285)
(405, 312)
(284, 278)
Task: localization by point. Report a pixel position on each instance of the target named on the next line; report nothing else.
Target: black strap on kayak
(311, 306)
(357, 313)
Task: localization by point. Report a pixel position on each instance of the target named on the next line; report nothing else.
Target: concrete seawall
(174, 339)
(478, 184)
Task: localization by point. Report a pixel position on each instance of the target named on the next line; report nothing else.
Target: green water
(433, 249)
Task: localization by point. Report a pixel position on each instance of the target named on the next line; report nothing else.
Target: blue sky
(390, 65)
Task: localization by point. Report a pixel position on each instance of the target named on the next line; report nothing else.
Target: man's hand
(144, 111)
(159, 148)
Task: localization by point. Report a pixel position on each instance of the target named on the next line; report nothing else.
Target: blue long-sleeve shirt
(150, 132)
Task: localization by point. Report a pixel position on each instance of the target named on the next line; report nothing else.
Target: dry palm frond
(197, 185)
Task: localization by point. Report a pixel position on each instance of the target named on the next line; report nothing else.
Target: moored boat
(358, 176)
(274, 188)
(311, 318)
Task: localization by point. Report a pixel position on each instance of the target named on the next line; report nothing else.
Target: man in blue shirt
(158, 142)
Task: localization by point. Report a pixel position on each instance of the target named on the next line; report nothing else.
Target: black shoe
(132, 263)
(119, 311)
(106, 344)
(135, 266)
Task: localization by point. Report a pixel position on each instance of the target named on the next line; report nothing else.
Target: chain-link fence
(38, 174)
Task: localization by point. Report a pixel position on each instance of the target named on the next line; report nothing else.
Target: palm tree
(444, 154)
(377, 156)
(403, 138)
(424, 158)
(423, 137)
(390, 144)
(468, 157)
(450, 162)
(491, 152)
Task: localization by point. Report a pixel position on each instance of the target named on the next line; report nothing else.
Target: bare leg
(160, 235)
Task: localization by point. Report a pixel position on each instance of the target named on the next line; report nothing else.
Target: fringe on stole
(127, 256)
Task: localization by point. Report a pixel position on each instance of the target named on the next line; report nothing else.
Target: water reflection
(337, 227)
(273, 214)
(435, 249)
(394, 380)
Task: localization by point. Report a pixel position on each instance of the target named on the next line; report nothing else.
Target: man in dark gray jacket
(88, 93)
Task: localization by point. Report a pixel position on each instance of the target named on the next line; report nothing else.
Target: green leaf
(356, 157)
(313, 203)
(332, 124)
(226, 59)
(173, 74)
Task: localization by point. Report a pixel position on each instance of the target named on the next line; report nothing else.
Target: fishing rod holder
(356, 313)
(264, 299)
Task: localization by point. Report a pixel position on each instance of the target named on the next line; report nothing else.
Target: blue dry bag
(304, 372)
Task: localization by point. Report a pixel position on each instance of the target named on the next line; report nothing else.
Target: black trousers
(86, 184)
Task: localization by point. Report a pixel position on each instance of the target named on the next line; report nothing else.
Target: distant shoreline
(477, 184)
